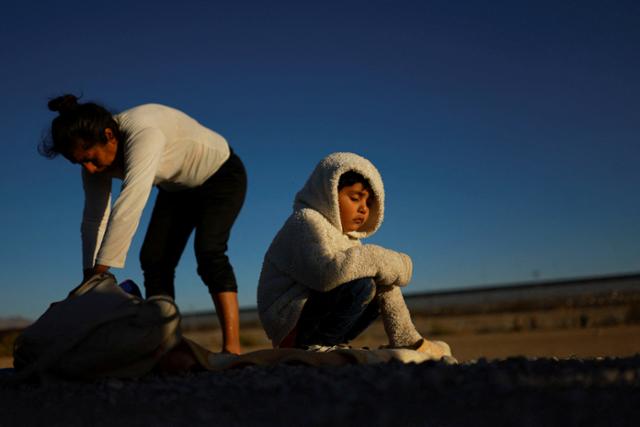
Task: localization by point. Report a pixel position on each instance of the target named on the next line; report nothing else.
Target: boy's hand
(395, 270)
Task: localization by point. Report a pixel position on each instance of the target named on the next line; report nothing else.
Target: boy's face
(354, 207)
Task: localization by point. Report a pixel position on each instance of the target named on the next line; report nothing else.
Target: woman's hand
(88, 273)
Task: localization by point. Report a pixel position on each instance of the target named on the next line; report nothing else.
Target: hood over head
(321, 190)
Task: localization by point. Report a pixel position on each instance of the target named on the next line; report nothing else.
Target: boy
(319, 286)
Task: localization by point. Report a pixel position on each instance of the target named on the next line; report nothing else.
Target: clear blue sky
(507, 132)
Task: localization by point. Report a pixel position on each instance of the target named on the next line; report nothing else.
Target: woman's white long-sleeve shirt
(163, 147)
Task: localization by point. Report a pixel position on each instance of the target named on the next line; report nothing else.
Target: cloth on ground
(293, 356)
(98, 331)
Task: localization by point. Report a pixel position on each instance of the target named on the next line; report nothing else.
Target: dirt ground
(618, 341)
(511, 392)
(572, 377)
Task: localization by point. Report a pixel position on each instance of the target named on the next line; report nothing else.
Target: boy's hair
(350, 178)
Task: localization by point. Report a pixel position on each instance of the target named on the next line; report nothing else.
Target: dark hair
(350, 178)
(76, 121)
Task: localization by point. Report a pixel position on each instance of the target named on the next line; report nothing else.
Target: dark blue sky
(507, 133)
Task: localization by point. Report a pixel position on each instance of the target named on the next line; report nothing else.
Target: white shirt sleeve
(97, 205)
(142, 158)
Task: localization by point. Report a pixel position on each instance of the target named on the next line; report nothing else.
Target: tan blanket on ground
(291, 356)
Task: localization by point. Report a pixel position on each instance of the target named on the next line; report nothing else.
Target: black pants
(339, 315)
(210, 209)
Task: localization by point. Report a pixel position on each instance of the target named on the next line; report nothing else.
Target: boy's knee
(364, 290)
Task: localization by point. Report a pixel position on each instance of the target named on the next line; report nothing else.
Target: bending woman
(202, 186)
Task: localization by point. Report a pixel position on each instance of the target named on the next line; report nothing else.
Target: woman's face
(97, 158)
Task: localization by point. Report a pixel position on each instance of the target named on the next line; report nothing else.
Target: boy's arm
(315, 263)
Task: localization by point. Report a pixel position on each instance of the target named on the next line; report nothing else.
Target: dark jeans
(210, 209)
(338, 316)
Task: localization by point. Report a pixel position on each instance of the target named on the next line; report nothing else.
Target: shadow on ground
(515, 391)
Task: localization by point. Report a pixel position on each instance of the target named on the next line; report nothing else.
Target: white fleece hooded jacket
(311, 252)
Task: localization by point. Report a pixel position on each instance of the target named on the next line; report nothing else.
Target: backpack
(98, 331)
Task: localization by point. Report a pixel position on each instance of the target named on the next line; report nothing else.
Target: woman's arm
(95, 215)
(142, 158)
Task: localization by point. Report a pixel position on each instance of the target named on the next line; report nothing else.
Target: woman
(201, 182)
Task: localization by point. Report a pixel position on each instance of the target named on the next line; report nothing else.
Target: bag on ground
(98, 331)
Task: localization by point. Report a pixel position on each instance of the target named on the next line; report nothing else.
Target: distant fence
(584, 292)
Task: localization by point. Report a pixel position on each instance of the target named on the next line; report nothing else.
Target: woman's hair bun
(63, 103)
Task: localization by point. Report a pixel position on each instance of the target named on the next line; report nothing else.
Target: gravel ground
(515, 391)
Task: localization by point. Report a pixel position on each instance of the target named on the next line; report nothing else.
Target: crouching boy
(320, 287)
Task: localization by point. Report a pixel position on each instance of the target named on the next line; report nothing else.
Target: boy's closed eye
(357, 198)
